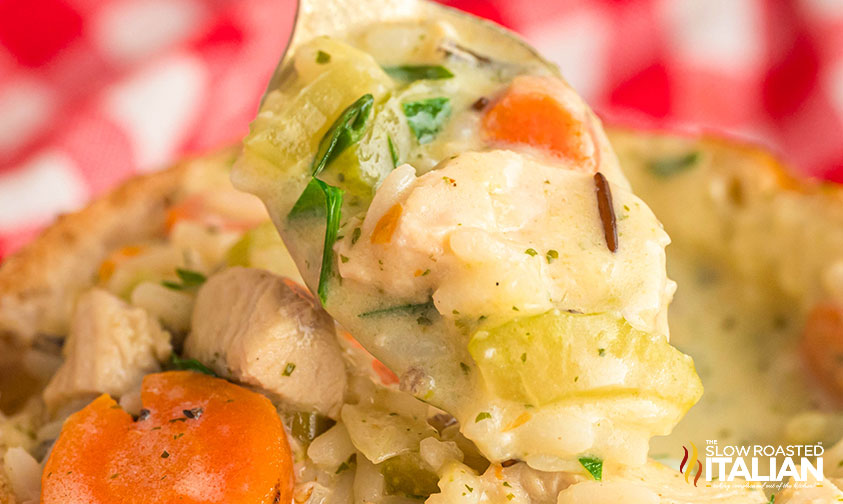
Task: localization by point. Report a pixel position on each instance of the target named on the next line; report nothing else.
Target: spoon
(339, 18)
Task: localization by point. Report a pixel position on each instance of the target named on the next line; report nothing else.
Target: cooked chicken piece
(110, 347)
(261, 329)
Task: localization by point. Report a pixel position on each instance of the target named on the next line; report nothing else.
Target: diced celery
(307, 425)
(380, 435)
(407, 474)
(561, 356)
(295, 117)
(261, 247)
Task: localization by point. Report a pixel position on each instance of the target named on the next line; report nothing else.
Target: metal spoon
(339, 18)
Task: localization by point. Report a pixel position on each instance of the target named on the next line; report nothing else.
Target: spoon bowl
(343, 18)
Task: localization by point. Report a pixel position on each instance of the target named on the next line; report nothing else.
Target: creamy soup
(466, 220)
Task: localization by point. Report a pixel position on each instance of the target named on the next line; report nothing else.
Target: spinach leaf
(418, 72)
(670, 166)
(311, 203)
(594, 466)
(333, 207)
(345, 131)
(190, 365)
(427, 117)
(316, 198)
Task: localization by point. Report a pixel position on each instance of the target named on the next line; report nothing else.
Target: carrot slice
(385, 227)
(199, 440)
(822, 345)
(543, 112)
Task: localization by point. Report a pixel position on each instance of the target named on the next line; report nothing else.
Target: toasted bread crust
(39, 283)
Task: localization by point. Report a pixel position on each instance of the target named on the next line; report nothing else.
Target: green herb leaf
(418, 72)
(483, 415)
(190, 365)
(594, 466)
(288, 369)
(427, 117)
(670, 166)
(319, 197)
(189, 279)
(333, 205)
(311, 203)
(322, 57)
(551, 256)
(531, 252)
(407, 308)
(393, 152)
(345, 131)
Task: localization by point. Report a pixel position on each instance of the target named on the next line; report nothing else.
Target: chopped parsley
(483, 415)
(188, 279)
(193, 413)
(322, 57)
(190, 364)
(531, 252)
(288, 369)
(594, 466)
(393, 152)
(165, 454)
(465, 368)
(670, 166)
(551, 256)
(427, 117)
(407, 308)
(412, 73)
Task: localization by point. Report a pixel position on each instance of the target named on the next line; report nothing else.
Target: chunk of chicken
(109, 349)
(261, 329)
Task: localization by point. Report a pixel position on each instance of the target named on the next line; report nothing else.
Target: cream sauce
(744, 341)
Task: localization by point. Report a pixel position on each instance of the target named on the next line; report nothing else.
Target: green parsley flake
(426, 118)
(594, 466)
(322, 57)
(483, 415)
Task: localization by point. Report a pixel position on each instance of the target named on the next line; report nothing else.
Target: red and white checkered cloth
(92, 91)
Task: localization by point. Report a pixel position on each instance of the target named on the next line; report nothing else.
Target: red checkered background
(92, 91)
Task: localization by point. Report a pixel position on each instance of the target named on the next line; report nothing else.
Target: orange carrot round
(542, 112)
(199, 439)
(822, 345)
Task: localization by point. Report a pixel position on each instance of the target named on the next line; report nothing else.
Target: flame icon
(687, 466)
